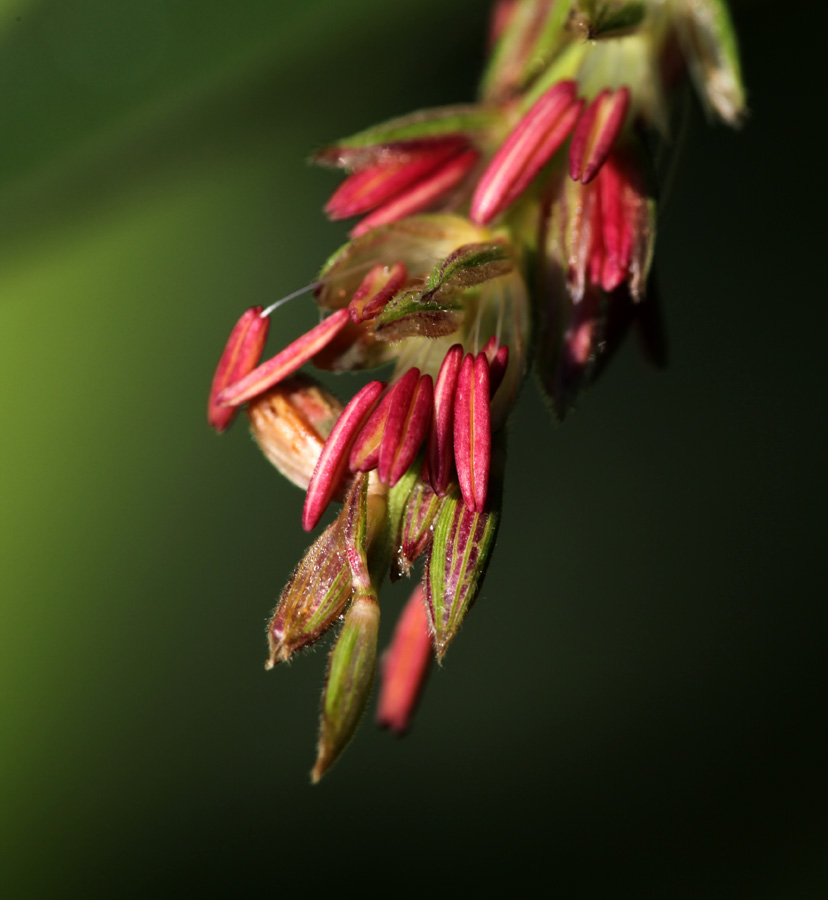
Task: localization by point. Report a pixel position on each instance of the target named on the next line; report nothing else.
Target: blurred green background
(635, 707)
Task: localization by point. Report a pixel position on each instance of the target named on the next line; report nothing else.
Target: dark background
(635, 706)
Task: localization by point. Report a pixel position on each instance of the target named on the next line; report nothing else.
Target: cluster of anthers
(493, 236)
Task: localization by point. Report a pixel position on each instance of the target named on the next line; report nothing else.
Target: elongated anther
(420, 196)
(409, 413)
(333, 460)
(285, 363)
(616, 227)
(596, 132)
(377, 288)
(405, 666)
(381, 181)
(415, 429)
(497, 368)
(473, 431)
(440, 452)
(241, 353)
(526, 151)
(365, 450)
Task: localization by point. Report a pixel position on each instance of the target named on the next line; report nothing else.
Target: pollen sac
(333, 460)
(440, 452)
(595, 133)
(473, 430)
(365, 451)
(377, 288)
(348, 685)
(408, 165)
(460, 551)
(526, 151)
(431, 190)
(409, 415)
(392, 435)
(291, 423)
(242, 352)
(293, 357)
(381, 181)
(603, 232)
(405, 666)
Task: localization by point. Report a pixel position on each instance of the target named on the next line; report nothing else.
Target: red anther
(366, 448)
(526, 151)
(497, 368)
(377, 288)
(414, 430)
(440, 452)
(616, 229)
(473, 431)
(596, 132)
(409, 412)
(420, 196)
(380, 182)
(333, 460)
(241, 353)
(293, 357)
(405, 666)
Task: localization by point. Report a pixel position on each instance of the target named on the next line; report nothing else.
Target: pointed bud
(423, 194)
(409, 415)
(291, 423)
(527, 35)
(293, 357)
(392, 175)
(377, 288)
(405, 666)
(415, 531)
(350, 676)
(473, 430)
(242, 352)
(595, 133)
(355, 533)
(440, 453)
(460, 552)
(709, 41)
(333, 461)
(313, 598)
(526, 151)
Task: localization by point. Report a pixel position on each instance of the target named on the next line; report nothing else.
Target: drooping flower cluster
(523, 222)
